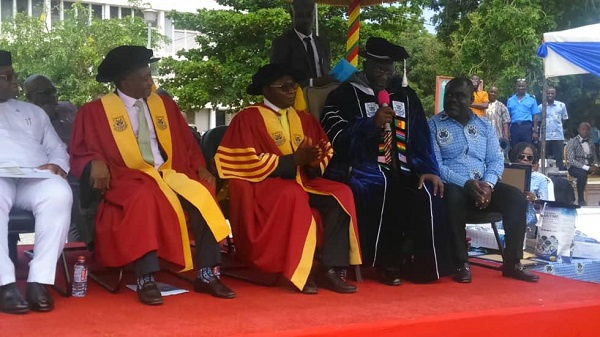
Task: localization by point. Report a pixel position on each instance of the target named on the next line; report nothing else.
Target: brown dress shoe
(463, 274)
(11, 300)
(389, 276)
(332, 280)
(149, 294)
(214, 287)
(310, 288)
(38, 297)
(516, 271)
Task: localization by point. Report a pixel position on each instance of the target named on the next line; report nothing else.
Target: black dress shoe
(149, 294)
(11, 300)
(38, 297)
(516, 271)
(214, 287)
(310, 288)
(389, 276)
(331, 279)
(463, 274)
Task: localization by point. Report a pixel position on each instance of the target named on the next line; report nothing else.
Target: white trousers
(50, 201)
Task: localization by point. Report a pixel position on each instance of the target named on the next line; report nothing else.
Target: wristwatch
(490, 185)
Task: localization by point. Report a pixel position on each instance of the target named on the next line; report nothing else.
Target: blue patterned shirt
(523, 110)
(555, 114)
(539, 187)
(466, 152)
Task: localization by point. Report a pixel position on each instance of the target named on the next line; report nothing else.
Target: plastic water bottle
(80, 278)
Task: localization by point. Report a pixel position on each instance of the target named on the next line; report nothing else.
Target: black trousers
(582, 178)
(208, 252)
(335, 248)
(521, 132)
(507, 200)
(555, 149)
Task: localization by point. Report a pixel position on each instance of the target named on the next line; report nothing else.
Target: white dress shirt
(315, 51)
(27, 137)
(132, 111)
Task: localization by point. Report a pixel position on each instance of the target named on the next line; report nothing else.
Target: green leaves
(70, 53)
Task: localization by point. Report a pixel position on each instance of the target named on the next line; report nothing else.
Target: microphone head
(383, 97)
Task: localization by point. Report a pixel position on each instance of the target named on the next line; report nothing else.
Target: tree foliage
(71, 51)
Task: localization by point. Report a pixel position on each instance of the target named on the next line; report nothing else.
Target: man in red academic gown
(273, 157)
(144, 161)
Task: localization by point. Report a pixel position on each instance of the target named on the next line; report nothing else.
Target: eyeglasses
(521, 80)
(377, 71)
(9, 77)
(285, 86)
(48, 92)
(526, 157)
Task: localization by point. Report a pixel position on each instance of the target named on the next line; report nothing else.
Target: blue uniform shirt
(466, 152)
(522, 111)
(555, 114)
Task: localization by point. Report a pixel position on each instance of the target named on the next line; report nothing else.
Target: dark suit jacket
(289, 51)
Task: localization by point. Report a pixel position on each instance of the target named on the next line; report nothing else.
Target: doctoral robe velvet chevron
(273, 224)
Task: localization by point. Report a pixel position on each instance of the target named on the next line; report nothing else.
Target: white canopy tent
(568, 52)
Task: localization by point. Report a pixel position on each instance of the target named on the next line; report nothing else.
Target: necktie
(285, 124)
(144, 134)
(310, 53)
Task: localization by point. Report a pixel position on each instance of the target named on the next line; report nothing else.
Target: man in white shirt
(28, 140)
(581, 155)
(556, 112)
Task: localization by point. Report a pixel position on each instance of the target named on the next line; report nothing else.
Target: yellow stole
(289, 146)
(170, 182)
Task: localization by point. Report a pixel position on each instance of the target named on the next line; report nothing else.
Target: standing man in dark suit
(301, 50)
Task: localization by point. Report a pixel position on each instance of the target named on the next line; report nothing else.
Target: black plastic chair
(21, 222)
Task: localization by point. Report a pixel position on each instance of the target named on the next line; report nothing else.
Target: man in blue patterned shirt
(471, 163)
(556, 112)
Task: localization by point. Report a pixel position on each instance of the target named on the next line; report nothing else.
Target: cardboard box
(587, 270)
(482, 236)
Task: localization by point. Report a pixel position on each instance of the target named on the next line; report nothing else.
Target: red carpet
(490, 306)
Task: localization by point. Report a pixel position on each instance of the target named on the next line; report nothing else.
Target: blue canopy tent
(568, 52)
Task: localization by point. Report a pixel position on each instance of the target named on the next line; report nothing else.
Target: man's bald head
(40, 91)
(303, 15)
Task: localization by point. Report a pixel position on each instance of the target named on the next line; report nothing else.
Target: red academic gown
(273, 224)
(136, 215)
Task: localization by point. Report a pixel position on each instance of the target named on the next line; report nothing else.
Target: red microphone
(383, 97)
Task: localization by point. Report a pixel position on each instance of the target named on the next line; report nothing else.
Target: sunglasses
(526, 157)
(285, 86)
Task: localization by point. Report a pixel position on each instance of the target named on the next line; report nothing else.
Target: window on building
(55, 10)
(22, 7)
(97, 11)
(138, 13)
(7, 10)
(37, 8)
(169, 34)
(69, 10)
(125, 12)
(114, 12)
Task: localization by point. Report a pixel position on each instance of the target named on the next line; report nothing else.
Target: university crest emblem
(119, 124)
(297, 139)
(161, 123)
(278, 138)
